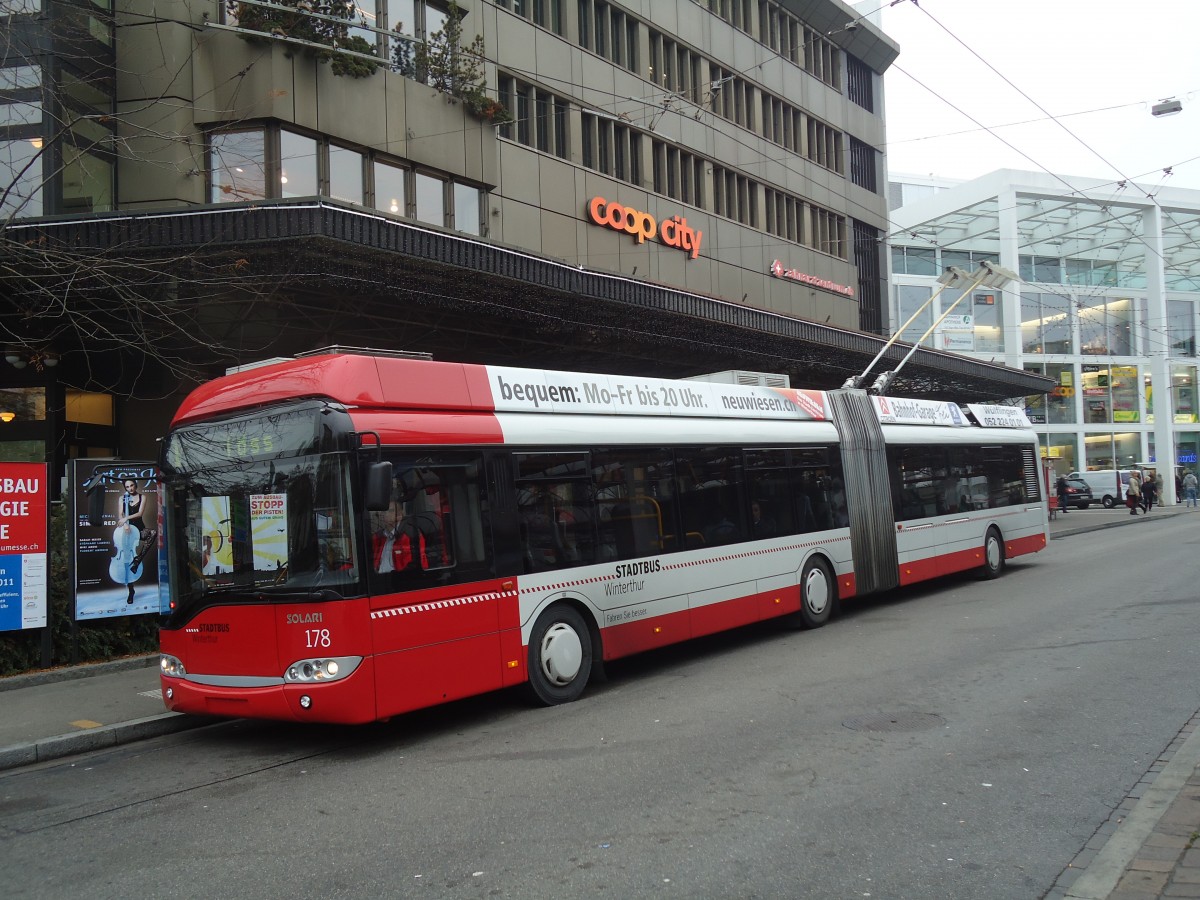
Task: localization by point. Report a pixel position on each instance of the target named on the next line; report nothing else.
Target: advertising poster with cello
(116, 566)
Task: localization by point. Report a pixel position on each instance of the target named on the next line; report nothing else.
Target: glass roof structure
(1109, 233)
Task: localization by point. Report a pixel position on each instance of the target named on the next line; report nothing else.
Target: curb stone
(98, 738)
(70, 673)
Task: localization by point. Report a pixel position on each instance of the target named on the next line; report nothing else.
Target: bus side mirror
(95, 504)
(379, 486)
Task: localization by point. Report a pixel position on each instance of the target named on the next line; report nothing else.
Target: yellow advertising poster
(217, 539)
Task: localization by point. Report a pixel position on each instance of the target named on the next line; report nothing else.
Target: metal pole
(899, 331)
(941, 318)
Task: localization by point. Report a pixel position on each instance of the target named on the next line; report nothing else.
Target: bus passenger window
(635, 503)
(555, 510)
(709, 486)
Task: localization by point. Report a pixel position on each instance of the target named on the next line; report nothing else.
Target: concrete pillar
(1010, 259)
(1159, 352)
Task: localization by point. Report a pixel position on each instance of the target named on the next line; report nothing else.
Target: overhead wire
(1124, 178)
(1107, 208)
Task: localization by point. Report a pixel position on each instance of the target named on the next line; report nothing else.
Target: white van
(1103, 483)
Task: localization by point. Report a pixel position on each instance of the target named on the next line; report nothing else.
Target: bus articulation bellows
(349, 537)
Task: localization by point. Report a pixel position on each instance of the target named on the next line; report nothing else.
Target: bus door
(436, 602)
(920, 503)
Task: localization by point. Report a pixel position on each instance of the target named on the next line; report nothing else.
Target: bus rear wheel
(560, 656)
(993, 554)
(818, 593)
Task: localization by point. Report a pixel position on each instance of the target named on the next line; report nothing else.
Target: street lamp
(1167, 107)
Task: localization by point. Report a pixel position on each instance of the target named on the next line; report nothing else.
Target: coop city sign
(675, 231)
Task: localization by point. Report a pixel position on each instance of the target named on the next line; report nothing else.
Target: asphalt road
(959, 740)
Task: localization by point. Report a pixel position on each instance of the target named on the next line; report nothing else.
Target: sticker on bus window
(216, 536)
(268, 530)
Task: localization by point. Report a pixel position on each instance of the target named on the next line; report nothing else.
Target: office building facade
(664, 186)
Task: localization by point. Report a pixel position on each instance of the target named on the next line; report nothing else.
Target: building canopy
(275, 279)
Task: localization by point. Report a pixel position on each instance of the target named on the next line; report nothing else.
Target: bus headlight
(170, 665)
(321, 669)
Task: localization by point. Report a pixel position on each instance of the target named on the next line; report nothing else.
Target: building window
(914, 261)
(860, 83)
(607, 31)
(1110, 395)
(824, 145)
(864, 165)
(19, 7)
(821, 58)
(1183, 396)
(237, 166)
(389, 188)
(987, 308)
(541, 117)
(87, 182)
(243, 168)
(1060, 402)
(676, 68)
(21, 170)
(909, 298)
(738, 13)
(735, 196)
(829, 232)
(1106, 326)
(1045, 323)
(1181, 327)
(677, 173)
(612, 148)
(20, 78)
(345, 174)
(297, 165)
(467, 209)
(784, 215)
(967, 260)
(544, 13)
(430, 195)
(411, 21)
(1044, 269)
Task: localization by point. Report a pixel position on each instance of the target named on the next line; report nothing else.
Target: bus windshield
(260, 508)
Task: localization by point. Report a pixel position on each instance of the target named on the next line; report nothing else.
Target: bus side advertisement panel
(534, 390)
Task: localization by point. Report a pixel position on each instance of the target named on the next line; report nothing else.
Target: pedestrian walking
(1149, 493)
(1133, 494)
(1060, 488)
(1189, 487)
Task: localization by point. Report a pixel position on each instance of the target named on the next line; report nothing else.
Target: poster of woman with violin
(116, 562)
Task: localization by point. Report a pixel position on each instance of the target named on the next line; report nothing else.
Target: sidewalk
(60, 712)
(1143, 852)
(1145, 849)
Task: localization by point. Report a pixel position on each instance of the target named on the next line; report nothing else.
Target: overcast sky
(1095, 67)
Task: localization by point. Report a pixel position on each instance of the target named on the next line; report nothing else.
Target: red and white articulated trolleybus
(352, 536)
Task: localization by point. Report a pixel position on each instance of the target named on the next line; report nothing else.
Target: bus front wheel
(560, 656)
(993, 554)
